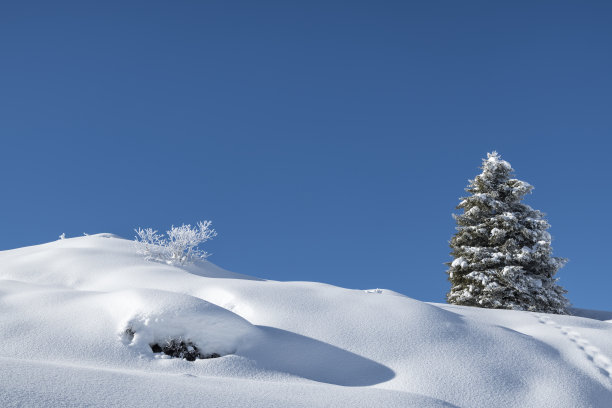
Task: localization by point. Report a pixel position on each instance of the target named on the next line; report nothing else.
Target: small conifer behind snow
(502, 252)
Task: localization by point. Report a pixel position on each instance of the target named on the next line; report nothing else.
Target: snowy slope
(66, 307)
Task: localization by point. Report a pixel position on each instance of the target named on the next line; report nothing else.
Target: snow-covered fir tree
(502, 253)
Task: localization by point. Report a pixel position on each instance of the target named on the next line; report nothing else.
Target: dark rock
(179, 348)
(128, 334)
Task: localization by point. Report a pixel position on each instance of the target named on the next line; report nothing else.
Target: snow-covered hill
(78, 318)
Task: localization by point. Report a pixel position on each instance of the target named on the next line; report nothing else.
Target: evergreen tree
(502, 253)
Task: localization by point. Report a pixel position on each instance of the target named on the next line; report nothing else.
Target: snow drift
(79, 317)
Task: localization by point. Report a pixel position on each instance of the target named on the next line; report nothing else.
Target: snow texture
(79, 316)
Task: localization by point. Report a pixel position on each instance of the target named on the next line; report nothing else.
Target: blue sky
(328, 141)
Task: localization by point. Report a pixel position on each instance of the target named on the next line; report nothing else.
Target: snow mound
(150, 317)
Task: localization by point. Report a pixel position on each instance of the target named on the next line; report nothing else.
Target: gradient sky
(327, 141)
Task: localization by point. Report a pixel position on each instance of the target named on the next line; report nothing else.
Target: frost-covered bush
(502, 250)
(179, 246)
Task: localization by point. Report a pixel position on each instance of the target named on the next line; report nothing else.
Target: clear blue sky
(328, 141)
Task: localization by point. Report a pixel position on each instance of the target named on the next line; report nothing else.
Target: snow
(459, 263)
(66, 306)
